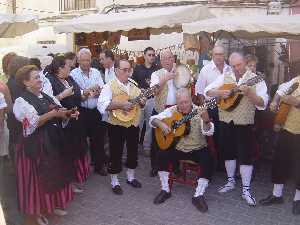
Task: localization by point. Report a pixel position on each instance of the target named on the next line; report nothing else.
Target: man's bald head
(167, 59)
(184, 100)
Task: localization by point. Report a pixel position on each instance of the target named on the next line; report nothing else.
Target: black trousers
(203, 157)
(118, 135)
(236, 142)
(94, 129)
(286, 161)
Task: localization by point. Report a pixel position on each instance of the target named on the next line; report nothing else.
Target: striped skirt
(31, 197)
(82, 167)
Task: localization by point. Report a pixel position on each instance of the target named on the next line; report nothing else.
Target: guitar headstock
(292, 88)
(254, 80)
(150, 91)
(210, 104)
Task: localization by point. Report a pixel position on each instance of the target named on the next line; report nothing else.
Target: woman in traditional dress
(68, 92)
(43, 180)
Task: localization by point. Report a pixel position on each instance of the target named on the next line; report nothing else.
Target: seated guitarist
(287, 155)
(192, 147)
(236, 125)
(120, 132)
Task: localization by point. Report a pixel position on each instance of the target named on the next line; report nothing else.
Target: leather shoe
(270, 200)
(153, 172)
(162, 197)
(296, 207)
(134, 183)
(200, 203)
(102, 171)
(117, 190)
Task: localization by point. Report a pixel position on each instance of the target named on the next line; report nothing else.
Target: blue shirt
(84, 82)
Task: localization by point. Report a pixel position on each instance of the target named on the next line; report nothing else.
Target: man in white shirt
(208, 74)
(90, 83)
(119, 131)
(192, 146)
(236, 125)
(108, 64)
(165, 97)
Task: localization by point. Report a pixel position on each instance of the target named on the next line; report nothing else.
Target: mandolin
(177, 122)
(284, 109)
(230, 103)
(126, 116)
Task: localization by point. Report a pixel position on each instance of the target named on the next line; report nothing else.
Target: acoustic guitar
(177, 123)
(284, 109)
(126, 116)
(230, 103)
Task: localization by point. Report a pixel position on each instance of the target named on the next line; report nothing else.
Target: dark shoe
(117, 190)
(102, 171)
(296, 207)
(153, 172)
(134, 183)
(270, 200)
(162, 197)
(200, 203)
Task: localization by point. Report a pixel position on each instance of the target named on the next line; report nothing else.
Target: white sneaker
(60, 212)
(42, 220)
(77, 190)
(249, 198)
(230, 185)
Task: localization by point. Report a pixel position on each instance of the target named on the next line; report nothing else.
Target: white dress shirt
(109, 74)
(106, 96)
(168, 112)
(208, 74)
(47, 87)
(171, 98)
(24, 111)
(284, 87)
(260, 88)
(84, 82)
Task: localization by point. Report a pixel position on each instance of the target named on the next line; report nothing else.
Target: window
(66, 5)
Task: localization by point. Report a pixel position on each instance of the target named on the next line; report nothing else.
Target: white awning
(248, 27)
(15, 25)
(165, 19)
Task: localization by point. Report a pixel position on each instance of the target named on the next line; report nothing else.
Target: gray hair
(83, 51)
(236, 55)
(183, 92)
(219, 46)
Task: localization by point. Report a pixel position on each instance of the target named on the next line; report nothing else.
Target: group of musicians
(96, 101)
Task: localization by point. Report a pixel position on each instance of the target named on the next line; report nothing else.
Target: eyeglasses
(126, 70)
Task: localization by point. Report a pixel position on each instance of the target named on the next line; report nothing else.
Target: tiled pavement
(99, 206)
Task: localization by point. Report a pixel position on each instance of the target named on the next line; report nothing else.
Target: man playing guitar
(120, 131)
(236, 125)
(192, 147)
(287, 156)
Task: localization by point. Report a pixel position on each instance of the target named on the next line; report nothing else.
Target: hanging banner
(138, 34)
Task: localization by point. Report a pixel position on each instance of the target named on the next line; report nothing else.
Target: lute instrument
(284, 109)
(126, 116)
(230, 103)
(177, 123)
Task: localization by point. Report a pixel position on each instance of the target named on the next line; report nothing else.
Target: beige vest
(161, 98)
(292, 123)
(195, 140)
(244, 113)
(134, 91)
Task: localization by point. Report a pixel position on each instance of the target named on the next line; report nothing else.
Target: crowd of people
(61, 114)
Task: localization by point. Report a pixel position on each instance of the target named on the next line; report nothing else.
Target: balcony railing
(67, 5)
